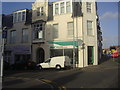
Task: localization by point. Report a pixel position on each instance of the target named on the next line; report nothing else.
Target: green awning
(67, 43)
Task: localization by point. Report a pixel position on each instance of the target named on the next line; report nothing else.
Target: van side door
(47, 63)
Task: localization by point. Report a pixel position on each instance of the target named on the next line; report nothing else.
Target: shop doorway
(90, 55)
(40, 55)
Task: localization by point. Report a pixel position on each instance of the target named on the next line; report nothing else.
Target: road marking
(64, 87)
(54, 84)
(19, 78)
(45, 80)
(70, 70)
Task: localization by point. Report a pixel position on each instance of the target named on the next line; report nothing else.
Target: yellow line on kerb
(62, 88)
(49, 81)
(44, 80)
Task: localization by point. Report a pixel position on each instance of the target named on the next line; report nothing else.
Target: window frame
(23, 35)
(39, 28)
(19, 16)
(89, 7)
(55, 31)
(70, 29)
(57, 8)
(23, 15)
(62, 7)
(13, 37)
(15, 17)
(90, 28)
(68, 6)
(38, 11)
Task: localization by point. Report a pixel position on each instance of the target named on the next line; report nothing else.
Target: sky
(107, 11)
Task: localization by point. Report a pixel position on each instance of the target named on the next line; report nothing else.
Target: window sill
(62, 14)
(91, 35)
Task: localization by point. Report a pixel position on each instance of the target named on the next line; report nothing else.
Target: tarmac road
(104, 75)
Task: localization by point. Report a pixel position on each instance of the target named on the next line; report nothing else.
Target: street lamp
(4, 35)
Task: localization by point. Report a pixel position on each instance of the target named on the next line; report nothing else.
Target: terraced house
(18, 41)
(66, 28)
(60, 28)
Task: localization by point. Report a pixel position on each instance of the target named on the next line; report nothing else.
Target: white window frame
(24, 16)
(24, 35)
(89, 7)
(38, 31)
(40, 11)
(57, 8)
(19, 16)
(70, 29)
(14, 17)
(62, 7)
(55, 31)
(90, 28)
(68, 6)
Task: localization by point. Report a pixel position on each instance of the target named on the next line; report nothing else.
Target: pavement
(104, 75)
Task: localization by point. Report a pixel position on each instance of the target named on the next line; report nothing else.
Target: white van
(56, 62)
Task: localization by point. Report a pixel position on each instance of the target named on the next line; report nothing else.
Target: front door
(90, 55)
(40, 55)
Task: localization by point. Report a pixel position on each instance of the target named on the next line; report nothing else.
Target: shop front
(16, 53)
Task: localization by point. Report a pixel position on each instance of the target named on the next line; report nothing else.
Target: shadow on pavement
(12, 82)
(104, 59)
(42, 86)
(66, 79)
(13, 72)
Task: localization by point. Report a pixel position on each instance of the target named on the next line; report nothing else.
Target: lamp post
(73, 35)
(4, 35)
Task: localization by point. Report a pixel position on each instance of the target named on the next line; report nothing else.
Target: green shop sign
(66, 44)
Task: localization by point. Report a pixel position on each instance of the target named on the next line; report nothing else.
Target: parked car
(56, 62)
(24, 64)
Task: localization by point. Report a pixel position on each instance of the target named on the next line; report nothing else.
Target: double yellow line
(54, 84)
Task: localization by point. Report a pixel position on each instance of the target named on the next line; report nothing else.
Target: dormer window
(15, 17)
(40, 11)
(89, 7)
(19, 16)
(62, 7)
(68, 7)
(56, 8)
(23, 16)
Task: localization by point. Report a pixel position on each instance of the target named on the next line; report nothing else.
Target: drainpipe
(83, 38)
(73, 36)
(3, 41)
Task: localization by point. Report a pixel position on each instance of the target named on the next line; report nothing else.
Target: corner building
(66, 28)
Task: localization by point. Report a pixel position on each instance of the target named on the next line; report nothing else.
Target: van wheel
(40, 67)
(58, 67)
